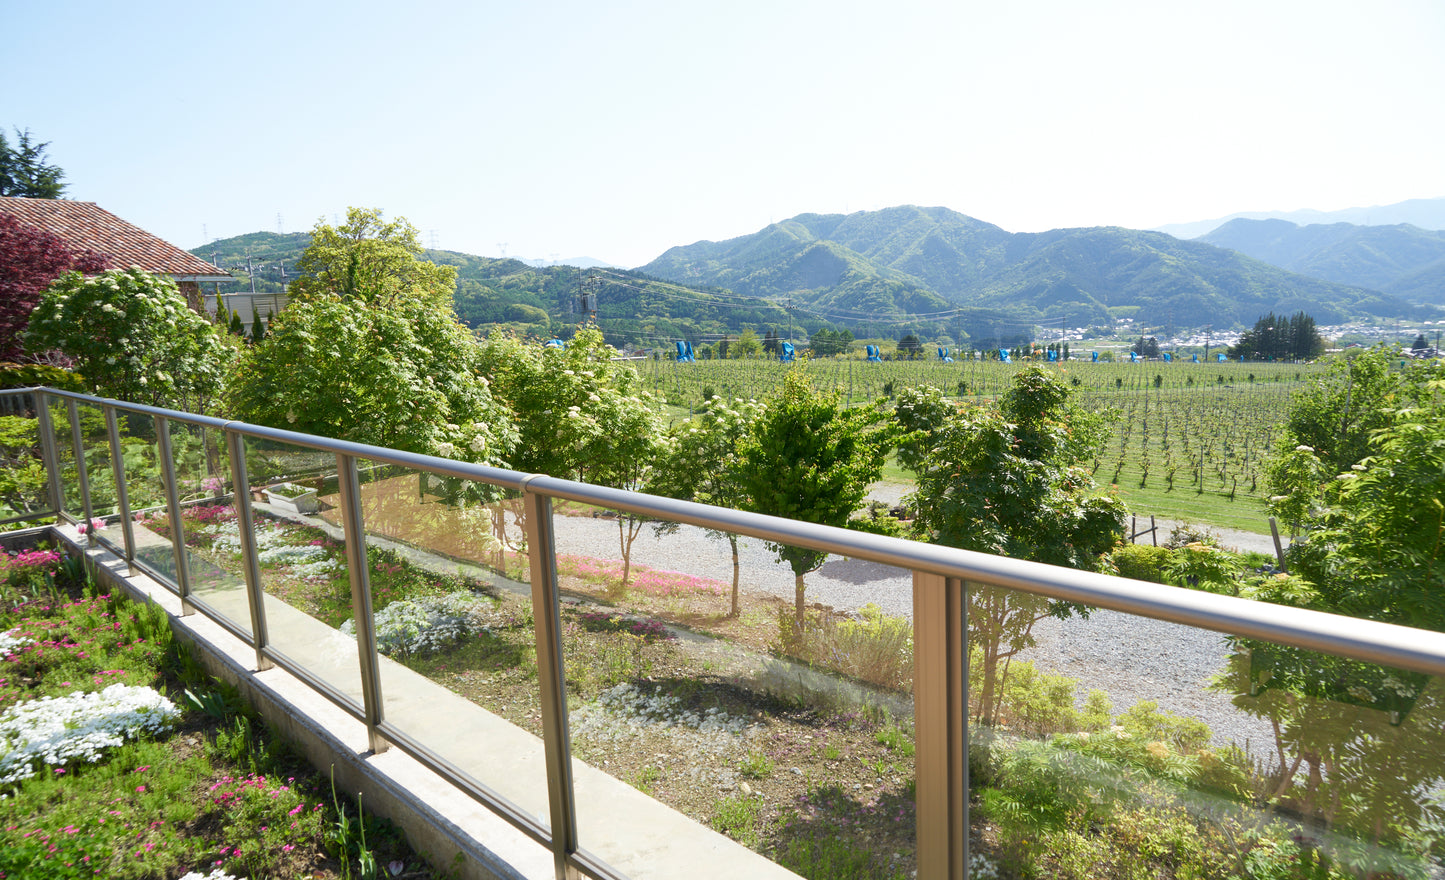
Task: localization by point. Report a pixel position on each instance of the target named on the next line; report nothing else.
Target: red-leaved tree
(30, 259)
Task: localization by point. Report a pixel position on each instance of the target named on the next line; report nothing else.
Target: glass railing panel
(146, 492)
(70, 499)
(208, 516)
(100, 474)
(793, 738)
(1116, 745)
(22, 466)
(449, 575)
(302, 556)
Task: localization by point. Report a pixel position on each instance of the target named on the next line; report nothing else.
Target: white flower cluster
(9, 643)
(666, 711)
(306, 561)
(78, 727)
(216, 874)
(426, 625)
(627, 717)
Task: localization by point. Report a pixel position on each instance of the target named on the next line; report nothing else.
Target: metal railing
(941, 578)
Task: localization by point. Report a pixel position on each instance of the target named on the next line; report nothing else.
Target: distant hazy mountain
(574, 262)
(914, 261)
(1403, 260)
(1424, 213)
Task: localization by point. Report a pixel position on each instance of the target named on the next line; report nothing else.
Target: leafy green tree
(1010, 481)
(580, 415)
(23, 171)
(1373, 550)
(1280, 338)
(745, 346)
(1145, 347)
(810, 459)
(1338, 412)
(910, 346)
(378, 359)
(703, 462)
(1419, 344)
(133, 337)
(373, 260)
(827, 343)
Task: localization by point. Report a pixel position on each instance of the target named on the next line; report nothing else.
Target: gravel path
(1131, 658)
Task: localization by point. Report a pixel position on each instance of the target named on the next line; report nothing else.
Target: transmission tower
(587, 299)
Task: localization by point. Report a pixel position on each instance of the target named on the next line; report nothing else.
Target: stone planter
(293, 498)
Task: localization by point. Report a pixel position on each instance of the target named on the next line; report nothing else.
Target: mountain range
(914, 261)
(935, 271)
(1424, 213)
(1403, 260)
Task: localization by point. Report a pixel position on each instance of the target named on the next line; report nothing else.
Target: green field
(1188, 444)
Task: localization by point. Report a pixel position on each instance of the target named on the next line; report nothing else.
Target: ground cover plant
(120, 757)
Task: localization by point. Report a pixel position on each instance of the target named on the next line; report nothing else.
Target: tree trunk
(798, 599)
(737, 606)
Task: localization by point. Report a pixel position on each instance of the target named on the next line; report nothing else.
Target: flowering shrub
(425, 625)
(133, 337)
(29, 571)
(273, 546)
(79, 727)
(646, 628)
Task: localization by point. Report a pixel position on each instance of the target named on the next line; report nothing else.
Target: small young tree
(1009, 481)
(810, 459)
(703, 462)
(580, 415)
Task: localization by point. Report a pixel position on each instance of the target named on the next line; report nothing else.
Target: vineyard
(1188, 445)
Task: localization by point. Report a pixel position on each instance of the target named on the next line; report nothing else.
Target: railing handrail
(1370, 641)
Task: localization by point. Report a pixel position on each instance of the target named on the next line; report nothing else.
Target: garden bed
(176, 775)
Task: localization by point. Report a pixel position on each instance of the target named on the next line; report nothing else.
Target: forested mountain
(911, 260)
(631, 307)
(1403, 260)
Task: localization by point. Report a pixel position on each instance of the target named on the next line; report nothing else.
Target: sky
(616, 130)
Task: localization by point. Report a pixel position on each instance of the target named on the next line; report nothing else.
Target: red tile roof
(85, 226)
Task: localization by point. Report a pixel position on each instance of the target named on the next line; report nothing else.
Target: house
(87, 226)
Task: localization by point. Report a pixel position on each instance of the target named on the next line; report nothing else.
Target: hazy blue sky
(619, 129)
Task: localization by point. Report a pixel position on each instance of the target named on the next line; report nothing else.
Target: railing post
(246, 527)
(940, 720)
(122, 498)
(355, 529)
(173, 511)
(551, 679)
(49, 454)
(81, 477)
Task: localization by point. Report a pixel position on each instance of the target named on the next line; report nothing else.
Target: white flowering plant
(427, 624)
(134, 337)
(79, 728)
